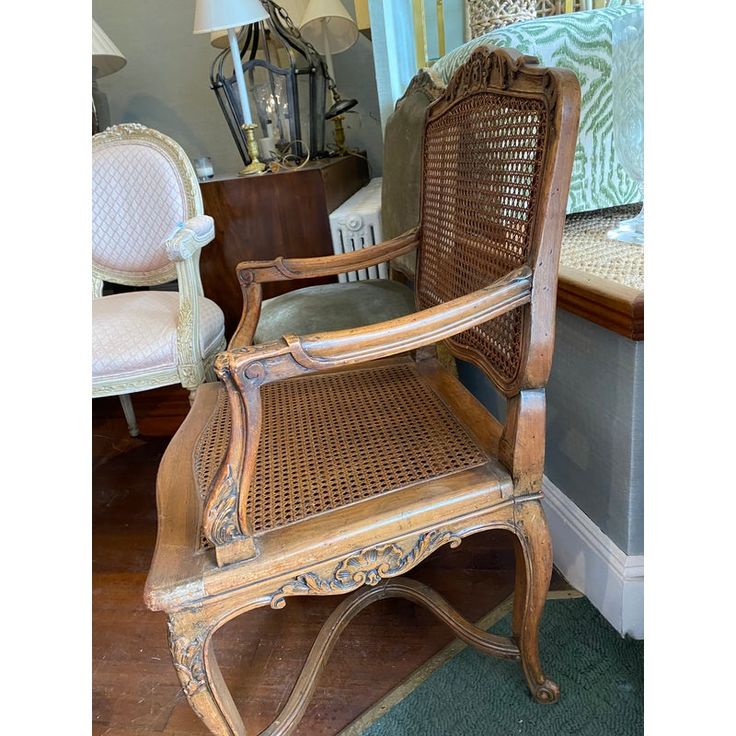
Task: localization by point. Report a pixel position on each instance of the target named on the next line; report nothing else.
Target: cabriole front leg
(533, 573)
(190, 642)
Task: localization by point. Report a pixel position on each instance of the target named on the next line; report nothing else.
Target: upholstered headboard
(580, 42)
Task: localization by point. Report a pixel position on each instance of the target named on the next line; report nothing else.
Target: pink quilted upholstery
(138, 201)
(136, 332)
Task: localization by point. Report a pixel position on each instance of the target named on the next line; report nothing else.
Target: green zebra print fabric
(580, 42)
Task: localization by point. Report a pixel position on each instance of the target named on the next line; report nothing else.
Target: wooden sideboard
(602, 280)
(614, 306)
(263, 217)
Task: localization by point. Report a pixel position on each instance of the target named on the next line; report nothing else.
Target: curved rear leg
(533, 571)
(190, 641)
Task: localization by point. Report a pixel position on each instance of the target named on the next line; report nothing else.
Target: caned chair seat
(336, 439)
(333, 307)
(412, 435)
(135, 332)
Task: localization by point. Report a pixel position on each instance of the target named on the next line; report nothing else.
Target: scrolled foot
(547, 692)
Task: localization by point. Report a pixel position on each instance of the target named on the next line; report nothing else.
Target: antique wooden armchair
(268, 491)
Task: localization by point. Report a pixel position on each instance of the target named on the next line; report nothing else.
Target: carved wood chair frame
(342, 551)
(183, 250)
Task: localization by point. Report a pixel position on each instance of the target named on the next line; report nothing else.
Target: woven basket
(487, 15)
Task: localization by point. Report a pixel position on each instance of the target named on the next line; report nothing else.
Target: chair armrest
(194, 234)
(341, 348)
(225, 521)
(285, 269)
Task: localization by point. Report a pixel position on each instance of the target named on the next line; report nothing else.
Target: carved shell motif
(486, 68)
(367, 567)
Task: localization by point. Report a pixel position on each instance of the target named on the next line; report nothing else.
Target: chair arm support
(286, 269)
(183, 249)
(194, 234)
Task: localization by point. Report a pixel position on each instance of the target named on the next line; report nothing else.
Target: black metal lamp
(287, 81)
(328, 26)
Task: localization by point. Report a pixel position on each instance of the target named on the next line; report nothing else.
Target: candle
(235, 53)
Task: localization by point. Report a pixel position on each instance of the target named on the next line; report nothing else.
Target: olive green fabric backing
(402, 165)
(333, 307)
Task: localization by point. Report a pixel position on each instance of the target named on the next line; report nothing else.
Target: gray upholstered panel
(402, 164)
(333, 307)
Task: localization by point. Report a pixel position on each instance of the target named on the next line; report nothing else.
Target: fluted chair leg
(127, 405)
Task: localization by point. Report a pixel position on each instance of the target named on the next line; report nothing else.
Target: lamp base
(255, 166)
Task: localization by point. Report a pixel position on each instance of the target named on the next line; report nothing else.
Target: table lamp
(106, 56)
(328, 26)
(221, 15)
(219, 39)
(106, 59)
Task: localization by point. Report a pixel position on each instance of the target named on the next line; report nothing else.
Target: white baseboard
(611, 580)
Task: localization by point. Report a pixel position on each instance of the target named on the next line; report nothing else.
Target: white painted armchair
(147, 229)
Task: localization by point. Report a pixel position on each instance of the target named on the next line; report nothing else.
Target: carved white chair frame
(183, 250)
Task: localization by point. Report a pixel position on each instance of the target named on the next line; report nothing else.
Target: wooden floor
(135, 687)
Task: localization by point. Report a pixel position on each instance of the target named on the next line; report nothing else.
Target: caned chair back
(495, 183)
(143, 189)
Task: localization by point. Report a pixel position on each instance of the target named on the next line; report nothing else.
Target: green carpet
(601, 678)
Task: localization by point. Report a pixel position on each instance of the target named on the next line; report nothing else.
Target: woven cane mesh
(487, 15)
(210, 449)
(587, 247)
(556, 7)
(330, 440)
(482, 168)
(212, 444)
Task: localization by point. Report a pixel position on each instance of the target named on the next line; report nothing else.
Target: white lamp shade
(294, 9)
(219, 39)
(219, 15)
(339, 27)
(106, 56)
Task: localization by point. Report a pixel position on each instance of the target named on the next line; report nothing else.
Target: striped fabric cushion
(580, 42)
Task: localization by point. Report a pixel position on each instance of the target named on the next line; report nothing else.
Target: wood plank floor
(135, 688)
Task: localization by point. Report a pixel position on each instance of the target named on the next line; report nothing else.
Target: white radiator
(356, 224)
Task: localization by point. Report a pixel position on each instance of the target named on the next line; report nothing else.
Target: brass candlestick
(255, 166)
(339, 132)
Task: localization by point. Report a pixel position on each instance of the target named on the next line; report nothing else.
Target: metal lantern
(286, 79)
